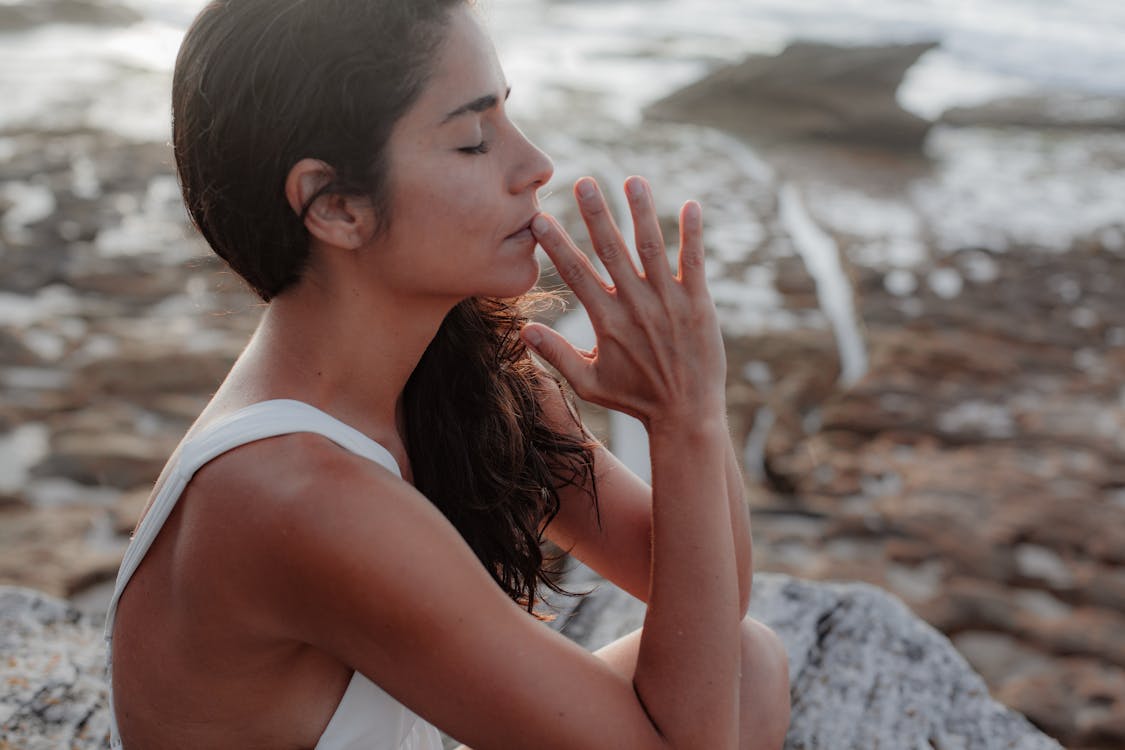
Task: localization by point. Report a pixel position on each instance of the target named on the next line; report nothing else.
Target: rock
(977, 470)
(1055, 110)
(157, 371)
(128, 509)
(13, 350)
(52, 667)
(24, 15)
(809, 91)
(998, 657)
(1076, 699)
(120, 460)
(865, 672)
(57, 550)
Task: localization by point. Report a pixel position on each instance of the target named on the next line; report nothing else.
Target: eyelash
(480, 148)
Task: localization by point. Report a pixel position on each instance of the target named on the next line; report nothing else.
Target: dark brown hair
(260, 85)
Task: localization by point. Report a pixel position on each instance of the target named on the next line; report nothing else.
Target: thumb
(559, 353)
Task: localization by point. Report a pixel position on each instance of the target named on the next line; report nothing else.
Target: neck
(348, 350)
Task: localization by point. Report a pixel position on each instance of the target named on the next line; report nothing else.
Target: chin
(517, 277)
(517, 288)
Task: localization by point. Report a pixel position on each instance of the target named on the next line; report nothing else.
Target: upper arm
(616, 539)
(373, 574)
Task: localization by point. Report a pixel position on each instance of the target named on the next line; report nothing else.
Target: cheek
(449, 203)
(466, 214)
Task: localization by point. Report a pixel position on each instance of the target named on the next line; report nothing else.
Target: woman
(344, 550)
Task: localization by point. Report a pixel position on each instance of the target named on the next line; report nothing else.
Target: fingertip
(693, 213)
(541, 225)
(585, 187)
(531, 336)
(635, 187)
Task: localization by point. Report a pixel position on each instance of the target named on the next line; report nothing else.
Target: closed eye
(480, 148)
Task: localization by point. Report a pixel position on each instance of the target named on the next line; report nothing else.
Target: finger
(573, 365)
(692, 273)
(650, 240)
(605, 236)
(574, 268)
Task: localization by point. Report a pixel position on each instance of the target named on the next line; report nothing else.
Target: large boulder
(1062, 110)
(809, 91)
(865, 672)
(52, 666)
(19, 16)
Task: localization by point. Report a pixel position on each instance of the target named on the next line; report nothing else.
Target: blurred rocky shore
(967, 452)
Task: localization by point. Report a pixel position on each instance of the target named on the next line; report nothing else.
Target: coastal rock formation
(31, 13)
(52, 664)
(865, 671)
(809, 91)
(977, 472)
(1055, 110)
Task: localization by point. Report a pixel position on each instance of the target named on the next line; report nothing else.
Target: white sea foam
(20, 449)
(833, 289)
(28, 203)
(21, 311)
(631, 51)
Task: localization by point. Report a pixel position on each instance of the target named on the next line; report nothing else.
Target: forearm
(688, 662)
(740, 526)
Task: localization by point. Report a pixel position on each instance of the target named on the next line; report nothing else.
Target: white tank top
(367, 717)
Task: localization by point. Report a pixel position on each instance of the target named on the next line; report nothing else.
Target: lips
(524, 228)
(523, 234)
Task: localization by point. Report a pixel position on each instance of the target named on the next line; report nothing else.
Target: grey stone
(52, 669)
(810, 90)
(1065, 110)
(25, 15)
(865, 672)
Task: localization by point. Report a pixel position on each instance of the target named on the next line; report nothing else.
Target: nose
(533, 167)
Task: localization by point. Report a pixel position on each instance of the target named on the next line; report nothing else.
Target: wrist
(689, 424)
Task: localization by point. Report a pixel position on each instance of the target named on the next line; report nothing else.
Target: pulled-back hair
(262, 84)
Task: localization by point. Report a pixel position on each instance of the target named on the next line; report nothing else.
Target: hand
(659, 355)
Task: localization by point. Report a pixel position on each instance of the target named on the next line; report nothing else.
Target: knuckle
(611, 250)
(650, 249)
(571, 270)
(692, 259)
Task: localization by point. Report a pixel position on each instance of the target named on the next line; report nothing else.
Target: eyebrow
(483, 104)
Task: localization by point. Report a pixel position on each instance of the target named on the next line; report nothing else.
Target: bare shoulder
(271, 502)
(349, 558)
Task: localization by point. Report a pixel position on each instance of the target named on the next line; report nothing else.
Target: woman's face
(463, 180)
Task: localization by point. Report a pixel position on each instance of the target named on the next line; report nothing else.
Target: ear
(339, 220)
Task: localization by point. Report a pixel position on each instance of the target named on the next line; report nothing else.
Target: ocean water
(583, 70)
(621, 53)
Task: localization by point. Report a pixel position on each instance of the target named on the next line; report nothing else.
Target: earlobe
(330, 217)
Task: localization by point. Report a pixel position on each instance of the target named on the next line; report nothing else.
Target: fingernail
(635, 188)
(586, 188)
(540, 225)
(532, 336)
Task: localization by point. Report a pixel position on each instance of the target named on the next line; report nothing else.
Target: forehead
(467, 68)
